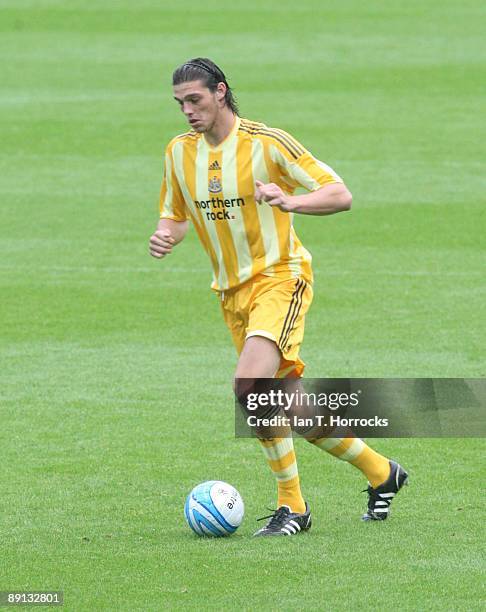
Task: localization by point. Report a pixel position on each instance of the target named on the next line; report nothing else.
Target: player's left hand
(272, 195)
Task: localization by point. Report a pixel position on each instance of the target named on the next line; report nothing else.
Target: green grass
(116, 368)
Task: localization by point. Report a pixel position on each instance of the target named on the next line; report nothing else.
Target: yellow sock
(281, 458)
(374, 466)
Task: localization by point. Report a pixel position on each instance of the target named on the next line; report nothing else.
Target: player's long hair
(203, 69)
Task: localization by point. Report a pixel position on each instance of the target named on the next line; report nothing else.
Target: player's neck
(221, 128)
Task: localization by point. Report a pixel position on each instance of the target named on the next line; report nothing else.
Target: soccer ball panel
(228, 502)
(214, 508)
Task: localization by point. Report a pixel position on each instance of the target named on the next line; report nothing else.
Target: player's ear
(220, 91)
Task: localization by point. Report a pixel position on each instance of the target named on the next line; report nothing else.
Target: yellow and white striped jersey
(215, 188)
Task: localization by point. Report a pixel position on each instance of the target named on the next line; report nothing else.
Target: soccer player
(234, 179)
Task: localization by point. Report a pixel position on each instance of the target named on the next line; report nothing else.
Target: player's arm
(327, 200)
(166, 236)
(327, 192)
(173, 223)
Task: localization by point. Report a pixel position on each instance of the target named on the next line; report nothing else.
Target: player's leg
(343, 444)
(385, 477)
(260, 358)
(259, 315)
(374, 466)
(379, 470)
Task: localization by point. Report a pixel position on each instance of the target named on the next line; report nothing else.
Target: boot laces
(277, 518)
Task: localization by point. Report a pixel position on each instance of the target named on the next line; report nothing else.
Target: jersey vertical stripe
(246, 185)
(185, 161)
(264, 210)
(236, 225)
(166, 197)
(282, 220)
(294, 263)
(230, 255)
(201, 174)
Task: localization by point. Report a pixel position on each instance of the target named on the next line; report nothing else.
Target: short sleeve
(172, 205)
(300, 165)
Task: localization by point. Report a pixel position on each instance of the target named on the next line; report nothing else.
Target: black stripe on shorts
(293, 312)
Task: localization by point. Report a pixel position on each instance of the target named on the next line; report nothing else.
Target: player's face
(200, 105)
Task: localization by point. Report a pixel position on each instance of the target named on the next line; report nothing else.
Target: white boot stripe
(295, 524)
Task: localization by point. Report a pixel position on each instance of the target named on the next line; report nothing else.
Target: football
(214, 508)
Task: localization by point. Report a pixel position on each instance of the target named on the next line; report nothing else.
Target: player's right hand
(161, 243)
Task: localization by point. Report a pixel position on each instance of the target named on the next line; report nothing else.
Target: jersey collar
(228, 138)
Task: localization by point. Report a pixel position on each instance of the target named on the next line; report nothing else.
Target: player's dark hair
(203, 69)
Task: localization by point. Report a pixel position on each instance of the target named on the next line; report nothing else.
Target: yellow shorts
(274, 308)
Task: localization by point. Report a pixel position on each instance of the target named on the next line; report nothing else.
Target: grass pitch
(116, 368)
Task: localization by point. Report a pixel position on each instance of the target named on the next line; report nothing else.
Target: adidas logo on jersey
(214, 166)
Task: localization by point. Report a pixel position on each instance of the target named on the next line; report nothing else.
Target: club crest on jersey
(214, 185)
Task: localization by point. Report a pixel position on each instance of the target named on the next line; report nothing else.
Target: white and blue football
(214, 508)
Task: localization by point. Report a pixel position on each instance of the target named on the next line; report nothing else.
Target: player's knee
(256, 368)
(260, 358)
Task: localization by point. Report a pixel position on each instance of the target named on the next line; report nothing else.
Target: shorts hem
(263, 333)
